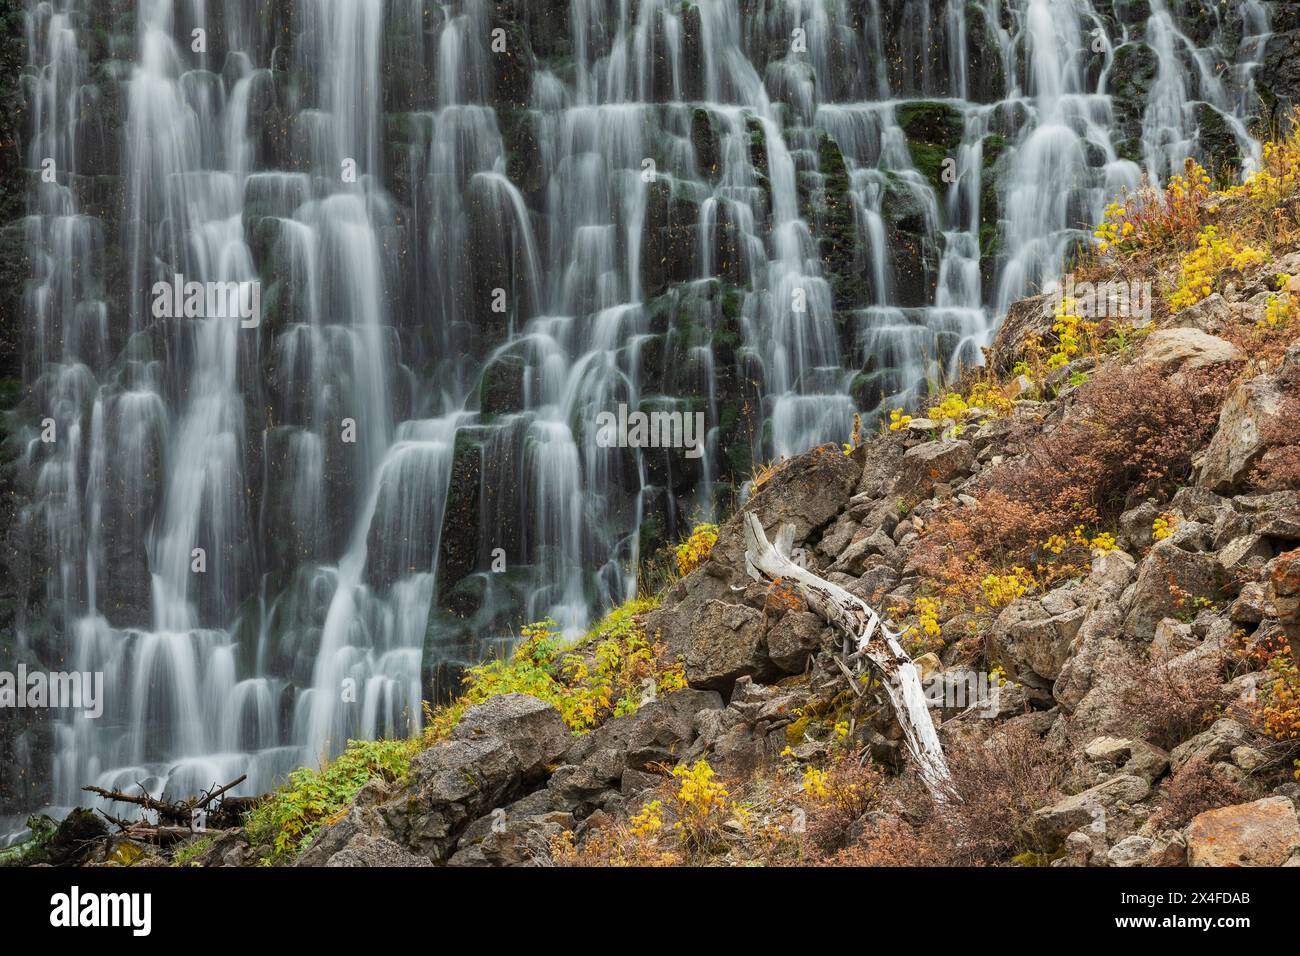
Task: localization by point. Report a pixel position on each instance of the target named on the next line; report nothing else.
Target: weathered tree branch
(181, 813)
(863, 627)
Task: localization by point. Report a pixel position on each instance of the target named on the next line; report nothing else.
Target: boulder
(1097, 650)
(1263, 833)
(1135, 757)
(230, 848)
(1239, 442)
(1187, 349)
(793, 638)
(1029, 318)
(933, 463)
(367, 850)
(1168, 848)
(1050, 825)
(1244, 556)
(1212, 746)
(722, 643)
(450, 784)
(1172, 638)
(1130, 851)
(1169, 579)
(1041, 645)
(516, 835)
(1251, 604)
(808, 491)
(1136, 526)
(1212, 314)
(533, 730)
(1112, 568)
(660, 731)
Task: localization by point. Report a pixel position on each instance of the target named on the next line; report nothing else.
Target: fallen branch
(864, 630)
(181, 813)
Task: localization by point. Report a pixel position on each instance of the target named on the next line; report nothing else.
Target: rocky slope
(1194, 599)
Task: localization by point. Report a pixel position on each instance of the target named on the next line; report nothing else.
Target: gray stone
(933, 463)
(1239, 442)
(1213, 745)
(1245, 555)
(1130, 851)
(366, 850)
(533, 730)
(793, 638)
(1050, 825)
(1187, 349)
(1166, 567)
(724, 642)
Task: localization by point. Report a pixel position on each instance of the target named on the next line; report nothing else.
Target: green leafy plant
(290, 817)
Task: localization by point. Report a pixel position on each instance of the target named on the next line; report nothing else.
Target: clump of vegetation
(686, 822)
(608, 672)
(604, 674)
(1203, 269)
(1193, 789)
(763, 473)
(695, 550)
(289, 818)
(1168, 703)
(1001, 784)
(187, 854)
(32, 850)
(1040, 518)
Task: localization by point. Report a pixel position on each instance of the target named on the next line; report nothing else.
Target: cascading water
(474, 228)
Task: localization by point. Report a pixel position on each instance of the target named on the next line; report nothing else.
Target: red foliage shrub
(1131, 429)
(1193, 789)
(1169, 703)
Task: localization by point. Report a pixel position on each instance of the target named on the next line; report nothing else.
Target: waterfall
(472, 229)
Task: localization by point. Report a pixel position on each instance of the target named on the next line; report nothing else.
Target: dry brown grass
(1168, 703)
(1193, 789)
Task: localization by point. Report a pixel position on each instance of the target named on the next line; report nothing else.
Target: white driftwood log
(872, 641)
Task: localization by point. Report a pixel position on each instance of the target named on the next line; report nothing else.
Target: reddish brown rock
(1263, 833)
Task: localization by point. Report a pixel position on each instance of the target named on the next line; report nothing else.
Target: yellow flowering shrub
(990, 396)
(649, 821)
(1001, 589)
(814, 783)
(1281, 308)
(1153, 218)
(695, 550)
(1068, 335)
(1277, 177)
(1104, 543)
(951, 408)
(1163, 526)
(927, 632)
(898, 421)
(1203, 267)
(699, 802)
(605, 673)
